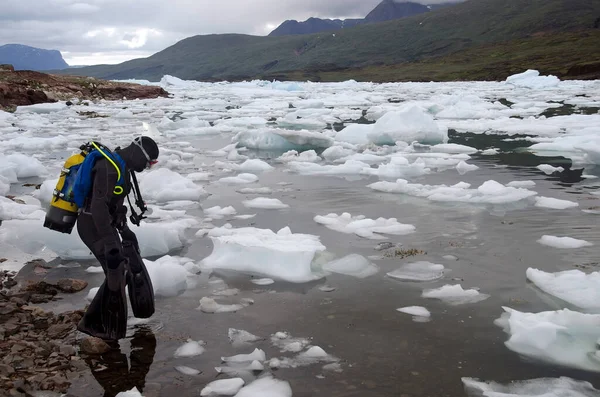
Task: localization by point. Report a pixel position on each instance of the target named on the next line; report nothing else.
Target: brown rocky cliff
(21, 88)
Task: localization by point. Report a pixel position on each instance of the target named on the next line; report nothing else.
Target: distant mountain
(391, 9)
(483, 28)
(313, 25)
(23, 57)
(387, 10)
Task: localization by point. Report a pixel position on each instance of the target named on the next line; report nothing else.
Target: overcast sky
(113, 31)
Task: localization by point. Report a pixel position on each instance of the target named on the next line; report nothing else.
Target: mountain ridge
(413, 39)
(386, 10)
(24, 57)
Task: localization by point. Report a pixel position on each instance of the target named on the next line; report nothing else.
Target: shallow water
(382, 352)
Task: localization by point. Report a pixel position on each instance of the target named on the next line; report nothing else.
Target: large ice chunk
(573, 286)
(164, 185)
(455, 294)
(352, 265)
(356, 134)
(544, 387)
(557, 204)
(561, 337)
(490, 192)
(223, 387)
(280, 139)
(532, 79)
(16, 166)
(266, 386)
(169, 275)
(563, 242)
(418, 271)
(282, 255)
(363, 226)
(409, 124)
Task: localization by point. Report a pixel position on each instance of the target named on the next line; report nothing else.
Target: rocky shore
(25, 87)
(39, 350)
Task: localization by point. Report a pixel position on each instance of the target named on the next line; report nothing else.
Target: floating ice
(254, 165)
(16, 166)
(490, 192)
(563, 337)
(130, 393)
(544, 387)
(266, 386)
(309, 156)
(557, 204)
(169, 275)
(241, 369)
(41, 108)
(164, 185)
(190, 349)
(219, 213)
(490, 152)
(398, 167)
(572, 286)
(418, 271)
(17, 209)
(94, 269)
(239, 337)
(521, 184)
(199, 176)
(363, 226)
(265, 203)
(280, 139)
(563, 242)
(418, 311)
(409, 124)
(463, 167)
(257, 354)
(262, 281)
(209, 305)
(453, 148)
(283, 255)
(187, 370)
(223, 387)
(352, 265)
(286, 343)
(336, 152)
(548, 169)
(356, 134)
(532, 79)
(239, 179)
(350, 167)
(256, 190)
(455, 294)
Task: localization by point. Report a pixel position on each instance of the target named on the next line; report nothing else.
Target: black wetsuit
(101, 225)
(96, 226)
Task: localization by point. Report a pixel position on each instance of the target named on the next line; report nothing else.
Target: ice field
(343, 239)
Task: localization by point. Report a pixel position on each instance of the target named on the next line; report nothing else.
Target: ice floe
(455, 294)
(543, 387)
(572, 286)
(418, 271)
(563, 337)
(363, 226)
(563, 242)
(279, 255)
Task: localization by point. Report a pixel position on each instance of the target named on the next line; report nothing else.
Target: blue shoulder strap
(83, 180)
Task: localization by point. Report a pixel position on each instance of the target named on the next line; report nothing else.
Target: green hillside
(441, 33)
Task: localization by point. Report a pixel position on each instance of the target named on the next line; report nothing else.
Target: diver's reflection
(112, 371)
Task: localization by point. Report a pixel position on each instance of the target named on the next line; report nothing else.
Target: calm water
(382, 352)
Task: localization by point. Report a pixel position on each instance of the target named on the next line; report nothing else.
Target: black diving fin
(139, 285)
(114, 302)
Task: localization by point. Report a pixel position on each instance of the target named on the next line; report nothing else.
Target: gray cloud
(98, 31)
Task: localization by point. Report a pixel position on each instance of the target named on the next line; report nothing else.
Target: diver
(102, 226)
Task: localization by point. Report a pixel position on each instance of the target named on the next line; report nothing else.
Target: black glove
(128, 235)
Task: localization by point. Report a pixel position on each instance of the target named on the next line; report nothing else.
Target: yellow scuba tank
(63, 211)
(62, 214)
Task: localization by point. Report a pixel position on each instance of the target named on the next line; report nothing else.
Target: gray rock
(7, 308)
(59, 331)
(6, 369)
(68, 350)
(92, 345)
(71, 285)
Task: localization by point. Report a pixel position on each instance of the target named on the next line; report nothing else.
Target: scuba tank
(72, 187)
